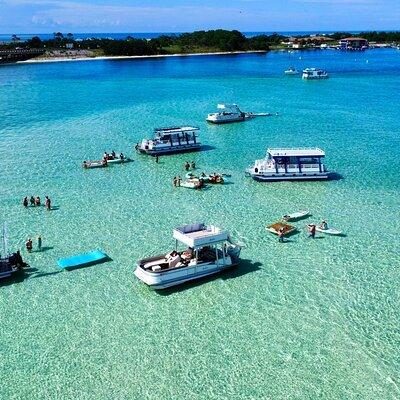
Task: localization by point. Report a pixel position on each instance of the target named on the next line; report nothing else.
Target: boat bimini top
(200, 235)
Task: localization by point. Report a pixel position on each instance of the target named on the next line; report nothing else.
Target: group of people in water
(35, 202)
(188, 165)
(312, 230)
(112, 156)
(29, 244)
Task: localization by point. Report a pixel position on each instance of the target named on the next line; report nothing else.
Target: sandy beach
(64, 59)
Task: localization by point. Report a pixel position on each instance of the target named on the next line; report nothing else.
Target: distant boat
(229, 113)
(291, 71)
(314, 73)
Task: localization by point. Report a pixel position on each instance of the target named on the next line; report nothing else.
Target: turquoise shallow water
(306, 319)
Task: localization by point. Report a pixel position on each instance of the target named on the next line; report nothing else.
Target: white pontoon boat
(209, 250)
(290, 165)
(170, 140)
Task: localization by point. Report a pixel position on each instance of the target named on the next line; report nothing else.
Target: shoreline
(69, 59)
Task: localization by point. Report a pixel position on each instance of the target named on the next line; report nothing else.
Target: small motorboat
(291, 71)
(118, 160)
(296, 215)
(276, 226)
(192, 183)
(328, 231)
(95, 164)
(211, 178)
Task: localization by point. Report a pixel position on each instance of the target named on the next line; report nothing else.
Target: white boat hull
(329, 231)
(289, 177)
(163, 280)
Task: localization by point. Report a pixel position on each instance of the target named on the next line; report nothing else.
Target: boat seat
(173, 261)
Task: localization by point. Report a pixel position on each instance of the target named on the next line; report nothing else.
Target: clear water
(306, 319)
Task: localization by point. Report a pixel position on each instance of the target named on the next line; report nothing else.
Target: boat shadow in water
(334, 176)
(242, 268)
(18, 277)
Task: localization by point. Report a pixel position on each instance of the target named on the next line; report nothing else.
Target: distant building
(353, 43)
(69, 45)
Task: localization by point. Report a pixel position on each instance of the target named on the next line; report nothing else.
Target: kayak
(274, 228)
(329, 231)
(295, 215)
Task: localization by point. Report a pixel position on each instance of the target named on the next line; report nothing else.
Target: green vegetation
(197, 42)
(379, 37)
(202, 41)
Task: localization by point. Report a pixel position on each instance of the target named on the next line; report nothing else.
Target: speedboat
(209, 250)
(285, 164)
(291, 71)
(229, 113)
(314, 73)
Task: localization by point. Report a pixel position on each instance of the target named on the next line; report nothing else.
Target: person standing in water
(281, 232)
(28, 245)
(311, 230)
(32, 201)
(39, 243)
(193, 165)
(47, 203)
(187, 166)
(37, 201)
(25, 202)
(157, 159)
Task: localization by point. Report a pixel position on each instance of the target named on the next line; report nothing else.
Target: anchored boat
(9, 263)
(296, 164)
(170, 140)
(314, 73)
(209, 250)
(291, 71)
(232, 113)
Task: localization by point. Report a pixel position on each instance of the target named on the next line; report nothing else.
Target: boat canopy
(227, 106)
(297, 152)
(175, 129)
(199, 235)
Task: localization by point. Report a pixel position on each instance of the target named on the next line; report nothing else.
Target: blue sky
(42, 16)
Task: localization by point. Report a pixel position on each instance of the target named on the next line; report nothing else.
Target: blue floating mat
(83, 260)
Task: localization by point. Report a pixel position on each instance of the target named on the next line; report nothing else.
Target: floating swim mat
(81, 260)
